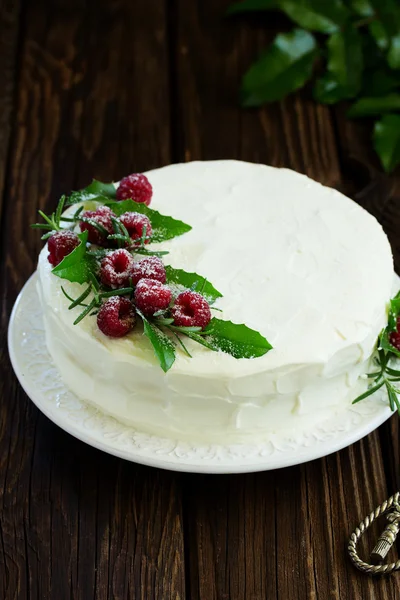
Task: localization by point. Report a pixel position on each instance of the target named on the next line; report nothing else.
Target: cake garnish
(116, 227)
(388, 349)
(60, 244)
(137, 187)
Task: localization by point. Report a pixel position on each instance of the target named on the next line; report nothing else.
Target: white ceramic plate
(42, 382)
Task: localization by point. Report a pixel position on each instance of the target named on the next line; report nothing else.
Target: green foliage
(286, 66)
(359, 49)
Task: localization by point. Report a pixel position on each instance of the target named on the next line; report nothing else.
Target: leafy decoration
(164, 227)
(163, 346)
(345, 64)
(97, 191)
(78, 266)
(238, 340)
(197, 283)
(284, 68)
(385, 374)
(387, 140)
(359, 56)
(365, 107)
(82, 265)
(316, 15)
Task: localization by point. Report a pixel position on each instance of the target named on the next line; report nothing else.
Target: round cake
(297, 261)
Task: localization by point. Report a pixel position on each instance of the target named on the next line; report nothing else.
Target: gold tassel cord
(390, 508)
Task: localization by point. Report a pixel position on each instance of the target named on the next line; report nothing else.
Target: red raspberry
(135, 224)
(115, 268)
(102, 216)
(150, 267)
(151, 296)
(137, 187)
(60, 244)
(394, 339)
(116, 317)
(191, 310)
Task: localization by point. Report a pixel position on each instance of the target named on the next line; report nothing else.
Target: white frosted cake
(299, 262)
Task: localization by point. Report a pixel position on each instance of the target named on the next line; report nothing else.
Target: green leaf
(365, 107)
(386, 345)
(369, 392)
(387, 141)
(388, 12)
(345, 61)
(316, 15)
(393, 56)
(79, 265)
(97, 191)
(379, 34)
(380, 82)
(251, 6)
(238, 340)
(393, 402)
(193, 281)
(164, 227)
(362, 8)
(328, 91)
(285, 67)
(163, 347)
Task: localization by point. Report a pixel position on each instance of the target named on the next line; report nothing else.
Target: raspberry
(151, 296)
(115, 268)
(102, 216)
(394, 339)
(116, 317)
(150, 267)
(137, 187)
(191, 310)
(60, 244)
(135, 224)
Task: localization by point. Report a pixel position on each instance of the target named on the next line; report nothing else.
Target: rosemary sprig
(384, 376)
(52, 222)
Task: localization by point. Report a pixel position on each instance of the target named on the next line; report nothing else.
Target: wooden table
(101, 89)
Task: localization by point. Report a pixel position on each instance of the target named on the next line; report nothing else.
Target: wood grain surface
(101, 89)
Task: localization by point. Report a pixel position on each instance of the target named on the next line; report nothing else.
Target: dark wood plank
(93, 100)
(302, 515)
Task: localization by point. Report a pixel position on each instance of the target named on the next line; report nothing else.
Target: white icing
(297, 261)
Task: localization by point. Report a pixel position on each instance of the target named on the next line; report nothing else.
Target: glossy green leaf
(393, 56)
(362, 8)
(251, 6)
(192, 281)
(379, 34)
(97, 191)
(79, 265)
(365, 107)
(163, 226)
(387, 141)
(316, 15)
(380, 81)
(388, 12)
(328, 91)
(286, 66)
(238, 340)
(163, 347)
(345, 60)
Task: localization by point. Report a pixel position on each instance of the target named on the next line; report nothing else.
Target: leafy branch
(356, 45)
(386, 375)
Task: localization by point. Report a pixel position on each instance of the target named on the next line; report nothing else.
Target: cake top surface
(295, 260)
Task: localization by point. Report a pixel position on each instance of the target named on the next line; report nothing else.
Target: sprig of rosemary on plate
(386, 375)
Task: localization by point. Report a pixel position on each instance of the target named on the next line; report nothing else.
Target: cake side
(292, 258)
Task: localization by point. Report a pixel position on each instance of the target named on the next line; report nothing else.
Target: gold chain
(390, 508)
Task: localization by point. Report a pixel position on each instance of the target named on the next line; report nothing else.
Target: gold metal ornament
(390, 508)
